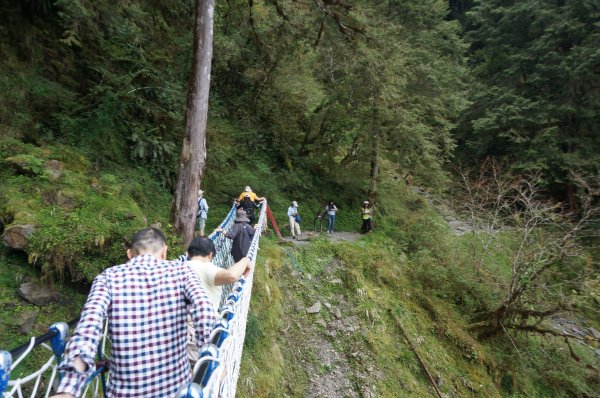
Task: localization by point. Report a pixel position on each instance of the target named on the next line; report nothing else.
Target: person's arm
(255, 197)
(81, 350)
(233, 273)
(231, 234)
(201, 308)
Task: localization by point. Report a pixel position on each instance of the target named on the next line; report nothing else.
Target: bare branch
(327, 8)
(546, 236)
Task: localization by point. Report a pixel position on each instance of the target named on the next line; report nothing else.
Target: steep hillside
(391, 314)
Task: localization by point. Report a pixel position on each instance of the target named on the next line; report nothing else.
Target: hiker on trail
(331, 209)
(145, 301)
(241, 233)
(202, 213)
(295, 220)
(201, 253)
(248, 205)
(366, 213)
(248, 191)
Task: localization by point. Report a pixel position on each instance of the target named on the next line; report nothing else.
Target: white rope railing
(45, 378)
(216, 372)
(223, 258)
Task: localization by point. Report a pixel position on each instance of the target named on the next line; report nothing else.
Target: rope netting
(41, 382)
(216, 372)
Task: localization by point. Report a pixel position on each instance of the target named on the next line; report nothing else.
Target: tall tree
(193, 150)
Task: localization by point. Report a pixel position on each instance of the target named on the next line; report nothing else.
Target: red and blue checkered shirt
(146, 302)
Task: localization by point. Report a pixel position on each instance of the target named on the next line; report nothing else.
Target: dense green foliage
(313, 100)
(535, 97)
(105, 77)
(305, 97)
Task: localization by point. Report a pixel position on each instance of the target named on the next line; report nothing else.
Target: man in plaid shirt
(146, 302)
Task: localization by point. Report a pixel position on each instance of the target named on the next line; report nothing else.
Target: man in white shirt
(201, 252)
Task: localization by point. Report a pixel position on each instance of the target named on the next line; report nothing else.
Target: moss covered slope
(409, 285)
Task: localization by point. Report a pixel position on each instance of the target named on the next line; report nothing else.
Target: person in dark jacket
(241, 233)
(249, 205)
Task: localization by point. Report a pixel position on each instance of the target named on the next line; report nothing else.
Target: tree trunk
(374, 174)
(571, 197)
(376, 148)
(193, 150)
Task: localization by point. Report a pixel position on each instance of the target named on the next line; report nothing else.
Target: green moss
(82, 217)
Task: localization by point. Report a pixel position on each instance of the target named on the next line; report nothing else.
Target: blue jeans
(331, 222)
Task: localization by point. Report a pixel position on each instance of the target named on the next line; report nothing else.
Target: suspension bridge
(214, 375)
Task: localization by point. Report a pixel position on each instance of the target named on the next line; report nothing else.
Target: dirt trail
(327, 340)
(342, 236)
(457, 225)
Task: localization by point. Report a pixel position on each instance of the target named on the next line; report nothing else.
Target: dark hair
(148, 240)
(201, 246)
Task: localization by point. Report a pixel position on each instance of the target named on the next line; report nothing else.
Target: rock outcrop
(37, 294)
(17, 236)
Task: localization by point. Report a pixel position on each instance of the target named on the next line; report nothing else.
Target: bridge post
(273, 222)
(59, 342)
(191, 390)
(5, 365)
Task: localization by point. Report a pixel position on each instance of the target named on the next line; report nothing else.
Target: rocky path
(326, 334)
(342, 236)
(458, 226)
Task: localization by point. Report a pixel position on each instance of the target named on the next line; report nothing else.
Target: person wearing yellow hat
(248, 203)
(249, 194)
